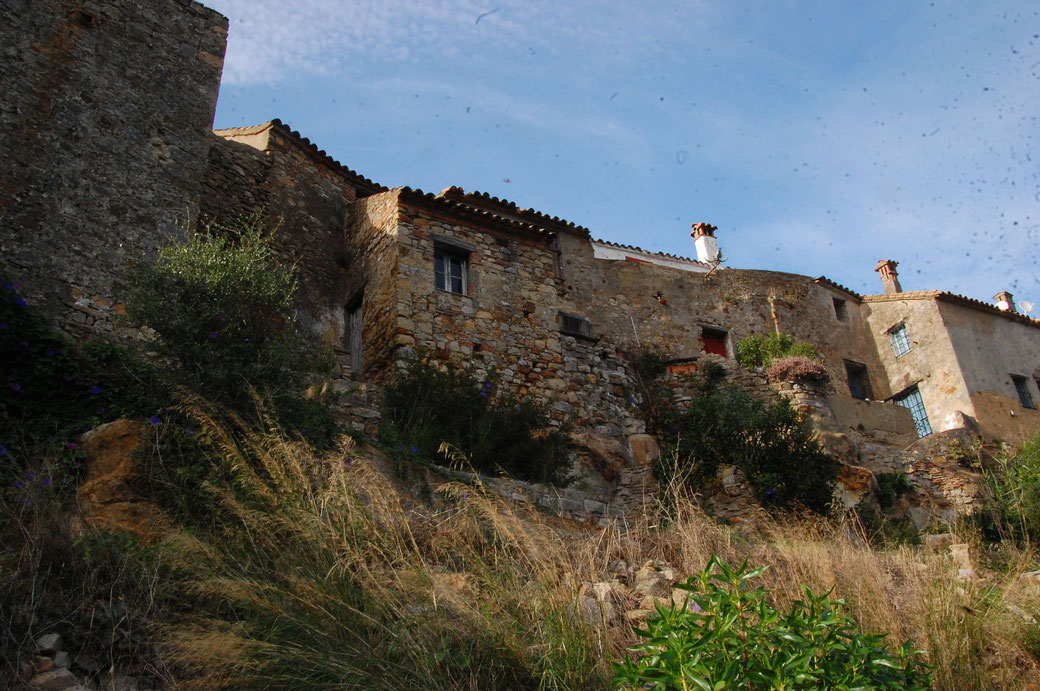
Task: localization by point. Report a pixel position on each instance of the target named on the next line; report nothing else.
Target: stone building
(105, 134)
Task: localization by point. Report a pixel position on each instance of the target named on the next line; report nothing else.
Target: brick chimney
(703, 235)
(889, 277)
(1005, 301)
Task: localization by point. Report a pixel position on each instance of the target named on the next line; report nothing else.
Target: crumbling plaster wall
(104, 129)
(931, 363)
(989, 349)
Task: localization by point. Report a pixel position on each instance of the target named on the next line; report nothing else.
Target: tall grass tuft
(319, 577)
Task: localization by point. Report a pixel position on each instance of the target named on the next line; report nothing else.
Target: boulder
(655, 580)
(107, 498)
(839, 445)
(605, 455)
(937, 543)
(855, 483)
(645, 450)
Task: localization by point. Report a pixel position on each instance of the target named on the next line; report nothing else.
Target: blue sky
(819, 137)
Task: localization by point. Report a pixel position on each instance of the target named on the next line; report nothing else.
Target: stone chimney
(889, 277)
(704, 240)
(1005, 301)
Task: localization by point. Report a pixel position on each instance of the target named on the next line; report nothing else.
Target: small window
(451, 269)
(911, 400)
(900, 339)
(859, 380)
(572, 325)
(840, 309)
(1022, 386)
(353, 332)
(714, 341)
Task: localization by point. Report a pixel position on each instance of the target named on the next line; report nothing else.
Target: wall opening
(353, 330)
(910, 399)
(714, 341)
(859, 380)
(841, 311)
(1025, 397)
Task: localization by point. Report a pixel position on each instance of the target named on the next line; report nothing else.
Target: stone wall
(638, 305)
(305, 198)
(509, 317)
(104, 132)
(372, 252)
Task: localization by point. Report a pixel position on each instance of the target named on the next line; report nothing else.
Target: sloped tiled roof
(471, 213)
(823, 280)
(504, 207)
(956, 299)
(363, 185)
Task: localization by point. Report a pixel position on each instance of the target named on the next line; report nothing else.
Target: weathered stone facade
(105, 121)
(105, 133)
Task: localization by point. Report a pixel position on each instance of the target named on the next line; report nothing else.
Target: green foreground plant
(729, 636)
(760, 351)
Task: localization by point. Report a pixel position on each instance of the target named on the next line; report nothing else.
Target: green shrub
(221, 304)
(761, 351)
(769, 442)
(1011, 493)
(891, 486)
(54, 389)
(731, 637)
(501, 433)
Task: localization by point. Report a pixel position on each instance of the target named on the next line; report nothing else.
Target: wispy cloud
(273, 40)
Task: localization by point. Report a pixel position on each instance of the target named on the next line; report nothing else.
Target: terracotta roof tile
(364, 186)
(506, 207)
(471, 212)
(839, 287)
(956, 299)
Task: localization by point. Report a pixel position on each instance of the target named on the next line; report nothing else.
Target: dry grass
(325, 574)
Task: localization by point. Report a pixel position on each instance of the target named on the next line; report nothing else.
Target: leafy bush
(501, 433)
(53, 388)
(730, 637)
(761, 351)
(797, 368)
(221, 306)
(891, 486)
(770, 443)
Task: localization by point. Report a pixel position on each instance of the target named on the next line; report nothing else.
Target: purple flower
(49, 352)
(73, 445)
(46, 482)
(100, 410)
(212, 335)
(415, 450)
(95, 390)
(155, 420)
(18, 484)
(483, 393)
(3, 450)
(8, 286)
(16, 386)
(20, 301)
(30, 477)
